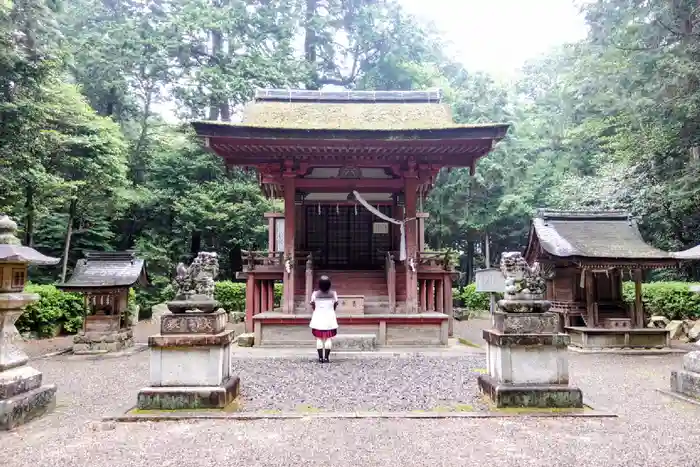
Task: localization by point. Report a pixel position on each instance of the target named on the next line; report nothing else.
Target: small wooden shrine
(352, 168)
(588, 255)
(104, 280)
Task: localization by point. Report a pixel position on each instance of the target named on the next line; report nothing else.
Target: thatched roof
(356, 116)
(349, 110)
(107, 269)
(591, 234)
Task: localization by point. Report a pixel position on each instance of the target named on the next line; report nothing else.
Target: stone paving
(652, 430)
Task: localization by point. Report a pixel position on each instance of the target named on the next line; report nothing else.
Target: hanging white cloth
(401, 224)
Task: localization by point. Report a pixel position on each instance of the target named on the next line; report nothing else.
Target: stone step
(359, 342)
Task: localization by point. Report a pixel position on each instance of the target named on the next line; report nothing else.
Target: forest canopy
(89, 162)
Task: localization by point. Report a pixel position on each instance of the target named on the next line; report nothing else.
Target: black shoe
(320, 355)
(327, 353)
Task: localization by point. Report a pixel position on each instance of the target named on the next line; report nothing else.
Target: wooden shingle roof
(610, 235)
(107, 269)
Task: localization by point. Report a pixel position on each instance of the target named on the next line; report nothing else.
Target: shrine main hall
(352, 168)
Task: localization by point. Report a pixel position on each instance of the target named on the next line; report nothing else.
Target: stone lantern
(22, 396)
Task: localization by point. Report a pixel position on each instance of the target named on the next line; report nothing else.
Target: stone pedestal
(86, 343)
(190, 363)
(687, 380)
(527, 359)
(22, 395)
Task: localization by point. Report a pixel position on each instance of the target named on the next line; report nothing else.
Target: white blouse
(323, 317)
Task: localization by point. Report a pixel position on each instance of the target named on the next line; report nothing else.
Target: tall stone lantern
(22, 396)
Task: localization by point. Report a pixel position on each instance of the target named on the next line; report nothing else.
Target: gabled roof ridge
(431, 96)
(552, 214)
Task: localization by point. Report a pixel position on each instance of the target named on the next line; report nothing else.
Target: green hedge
(471, 299)
(55, 310)
(231, 295)
(673, 300)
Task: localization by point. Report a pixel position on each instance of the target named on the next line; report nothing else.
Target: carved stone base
(524, 306)
(527, 361)
(102, 342)
(22, 397)
(189, 397)
(687, 380)
(194, 323)
(526, 323)
(506, 395)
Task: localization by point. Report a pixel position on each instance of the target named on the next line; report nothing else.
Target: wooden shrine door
(341, 237)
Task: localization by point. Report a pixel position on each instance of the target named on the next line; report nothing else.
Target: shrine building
(352, 168)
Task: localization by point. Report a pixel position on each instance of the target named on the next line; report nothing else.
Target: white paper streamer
(401, 224)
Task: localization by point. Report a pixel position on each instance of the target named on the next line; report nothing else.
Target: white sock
(319, 344)
(328, 344)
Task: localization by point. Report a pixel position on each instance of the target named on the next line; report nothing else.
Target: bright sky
(499, 35)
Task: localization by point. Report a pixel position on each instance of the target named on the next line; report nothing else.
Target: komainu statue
(523, 282)
(198, 278)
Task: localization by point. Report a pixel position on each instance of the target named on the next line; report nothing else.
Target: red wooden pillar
(440, 305)
(448, 305)
(270, 231)
(410, 199)
(249, 305)
(423, 290)
(431, 295)
(271, 294)
(289, 239)
(263, 297)
(256, 297)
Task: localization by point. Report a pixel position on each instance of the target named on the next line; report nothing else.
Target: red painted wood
(256, 297)
(345, 185)
(263, 297)
(431, 295)
(271, 294)
(289, 236)
(439, 294)
(411, 184)
(367, 319)
(249, 306)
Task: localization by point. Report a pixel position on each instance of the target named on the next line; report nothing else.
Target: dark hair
(324, 283)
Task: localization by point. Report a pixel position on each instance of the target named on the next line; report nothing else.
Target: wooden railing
(253, 259)
(435, 260)
(390, 268)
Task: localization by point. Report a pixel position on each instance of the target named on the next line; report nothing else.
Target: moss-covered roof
(348, 115)
(592, 234)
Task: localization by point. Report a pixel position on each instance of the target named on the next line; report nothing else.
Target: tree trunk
(30, 214)
(69, 234)
(215, 103)
(470, 261)
(310, 44)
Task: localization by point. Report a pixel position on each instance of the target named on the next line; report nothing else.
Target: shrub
(54, 308)
(674, 300)
(231, 295)
(471, 299)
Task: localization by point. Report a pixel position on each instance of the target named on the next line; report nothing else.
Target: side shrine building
(352, 168)
(588, 255)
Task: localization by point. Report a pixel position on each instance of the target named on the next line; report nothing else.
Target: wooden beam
(339, 185)
(638, 318)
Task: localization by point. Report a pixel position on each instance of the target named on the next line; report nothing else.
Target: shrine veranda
(315, 149)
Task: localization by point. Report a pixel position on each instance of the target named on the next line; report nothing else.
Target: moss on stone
(468, 343)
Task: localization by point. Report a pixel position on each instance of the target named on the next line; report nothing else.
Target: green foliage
(471, 299)
(54, 308)
(231, 295)
(673, 300)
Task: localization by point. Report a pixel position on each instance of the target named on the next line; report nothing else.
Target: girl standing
(324, 325)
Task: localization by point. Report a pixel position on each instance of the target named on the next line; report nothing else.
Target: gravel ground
(360, 384)
(652, 430)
